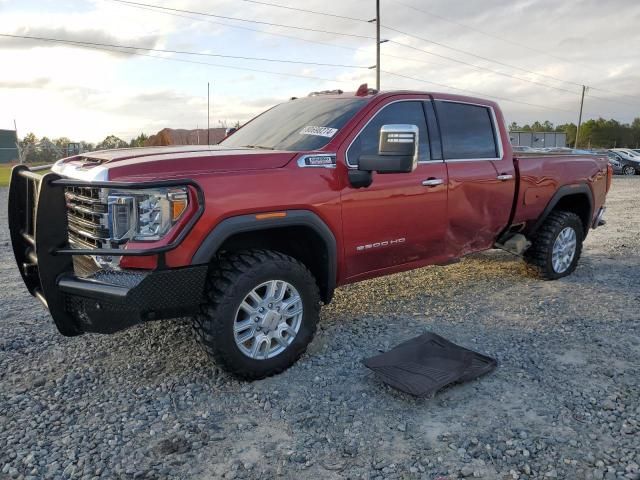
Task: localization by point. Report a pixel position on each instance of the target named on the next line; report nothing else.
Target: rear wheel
(261, 313)
(556, 246)
(628, 170)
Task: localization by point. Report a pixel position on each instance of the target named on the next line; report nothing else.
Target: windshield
(301, 124)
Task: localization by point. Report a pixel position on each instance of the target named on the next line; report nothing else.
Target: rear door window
(467, 131)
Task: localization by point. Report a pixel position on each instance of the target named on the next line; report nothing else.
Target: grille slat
(86, 217)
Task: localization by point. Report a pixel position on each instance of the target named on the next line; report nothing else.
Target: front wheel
(628, 170)
(261, 313)
(556, 246)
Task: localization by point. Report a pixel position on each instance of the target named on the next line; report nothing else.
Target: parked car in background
(523, 149)
(629, 159)
(615, 161)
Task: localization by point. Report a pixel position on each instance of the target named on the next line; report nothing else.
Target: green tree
(110, 142)
(28, 147)
(570, 129)
(62, 142)
(139, 141)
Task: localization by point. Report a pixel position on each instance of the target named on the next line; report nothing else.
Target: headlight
(144, 214)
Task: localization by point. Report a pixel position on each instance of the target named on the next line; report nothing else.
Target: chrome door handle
(432, 182)
(504, 177)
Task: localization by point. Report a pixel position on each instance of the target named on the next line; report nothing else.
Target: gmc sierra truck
(251, 236)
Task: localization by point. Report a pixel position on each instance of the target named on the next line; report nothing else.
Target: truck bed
(541, 176)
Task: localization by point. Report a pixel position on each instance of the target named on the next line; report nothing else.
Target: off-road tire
(539, 255)
(230, 278)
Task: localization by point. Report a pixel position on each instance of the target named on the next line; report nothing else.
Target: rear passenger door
(481, 175)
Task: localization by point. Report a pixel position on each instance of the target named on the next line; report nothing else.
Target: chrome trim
(302, 160)
(97, 173)
(504, 177)
(401, 133)
(346, 154)
(494, 119)
(432, 182)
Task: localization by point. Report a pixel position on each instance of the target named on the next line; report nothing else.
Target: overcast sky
(86, 94)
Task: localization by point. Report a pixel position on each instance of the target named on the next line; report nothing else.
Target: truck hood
(154, 163)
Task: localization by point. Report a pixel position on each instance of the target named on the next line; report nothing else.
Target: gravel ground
(146, 403)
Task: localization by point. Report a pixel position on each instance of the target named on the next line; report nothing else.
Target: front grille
(86, 217)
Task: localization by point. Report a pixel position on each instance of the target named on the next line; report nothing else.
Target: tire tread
(537, 255)
(223, 275)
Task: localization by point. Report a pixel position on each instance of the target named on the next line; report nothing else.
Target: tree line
(46, 150)
(594, 133)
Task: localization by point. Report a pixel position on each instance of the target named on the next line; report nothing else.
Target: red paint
(395, 224)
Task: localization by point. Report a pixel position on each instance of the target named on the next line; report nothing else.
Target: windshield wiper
(260, 147)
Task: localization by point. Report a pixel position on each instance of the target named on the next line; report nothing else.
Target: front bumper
(105, 301)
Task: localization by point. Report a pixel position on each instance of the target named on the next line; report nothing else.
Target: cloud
(35, 83)
(82, 35)
(90, 94)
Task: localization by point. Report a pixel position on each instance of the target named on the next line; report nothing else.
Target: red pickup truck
(250, 236)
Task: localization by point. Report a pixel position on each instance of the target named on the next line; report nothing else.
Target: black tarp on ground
(423, 365)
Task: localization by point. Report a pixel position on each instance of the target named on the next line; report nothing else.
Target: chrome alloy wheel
(564, 249)
(268, 320)
(629, 170)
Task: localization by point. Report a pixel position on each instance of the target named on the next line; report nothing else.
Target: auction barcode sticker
(319, 131)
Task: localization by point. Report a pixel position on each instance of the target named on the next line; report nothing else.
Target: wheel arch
(301, 234)
(576, 198)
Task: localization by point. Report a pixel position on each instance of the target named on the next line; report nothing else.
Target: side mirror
(397, 151)
(229, 131)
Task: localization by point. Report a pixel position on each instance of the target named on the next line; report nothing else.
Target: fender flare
(249, 223)
(565, 191)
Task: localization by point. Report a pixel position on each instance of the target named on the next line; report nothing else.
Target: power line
(474, 55)
(611, 91)
(493, 61)
(183, 52)
(482, 94)
(241, 27)
(605, 99)
(315, 12)
(480, 67)
(168, 10)
(260, 22)
(492, 35)
(217, 65)
(522, 45)
(277, 34)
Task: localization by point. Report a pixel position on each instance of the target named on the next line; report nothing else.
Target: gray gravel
(147, 404)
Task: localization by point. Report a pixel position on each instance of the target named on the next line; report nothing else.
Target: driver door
(401, 218)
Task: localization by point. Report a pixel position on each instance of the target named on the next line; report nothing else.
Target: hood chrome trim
(97, 173)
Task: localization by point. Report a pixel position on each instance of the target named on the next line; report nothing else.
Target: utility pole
(575, 145)
(208, 140)
(15, 127)
(378, 45)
